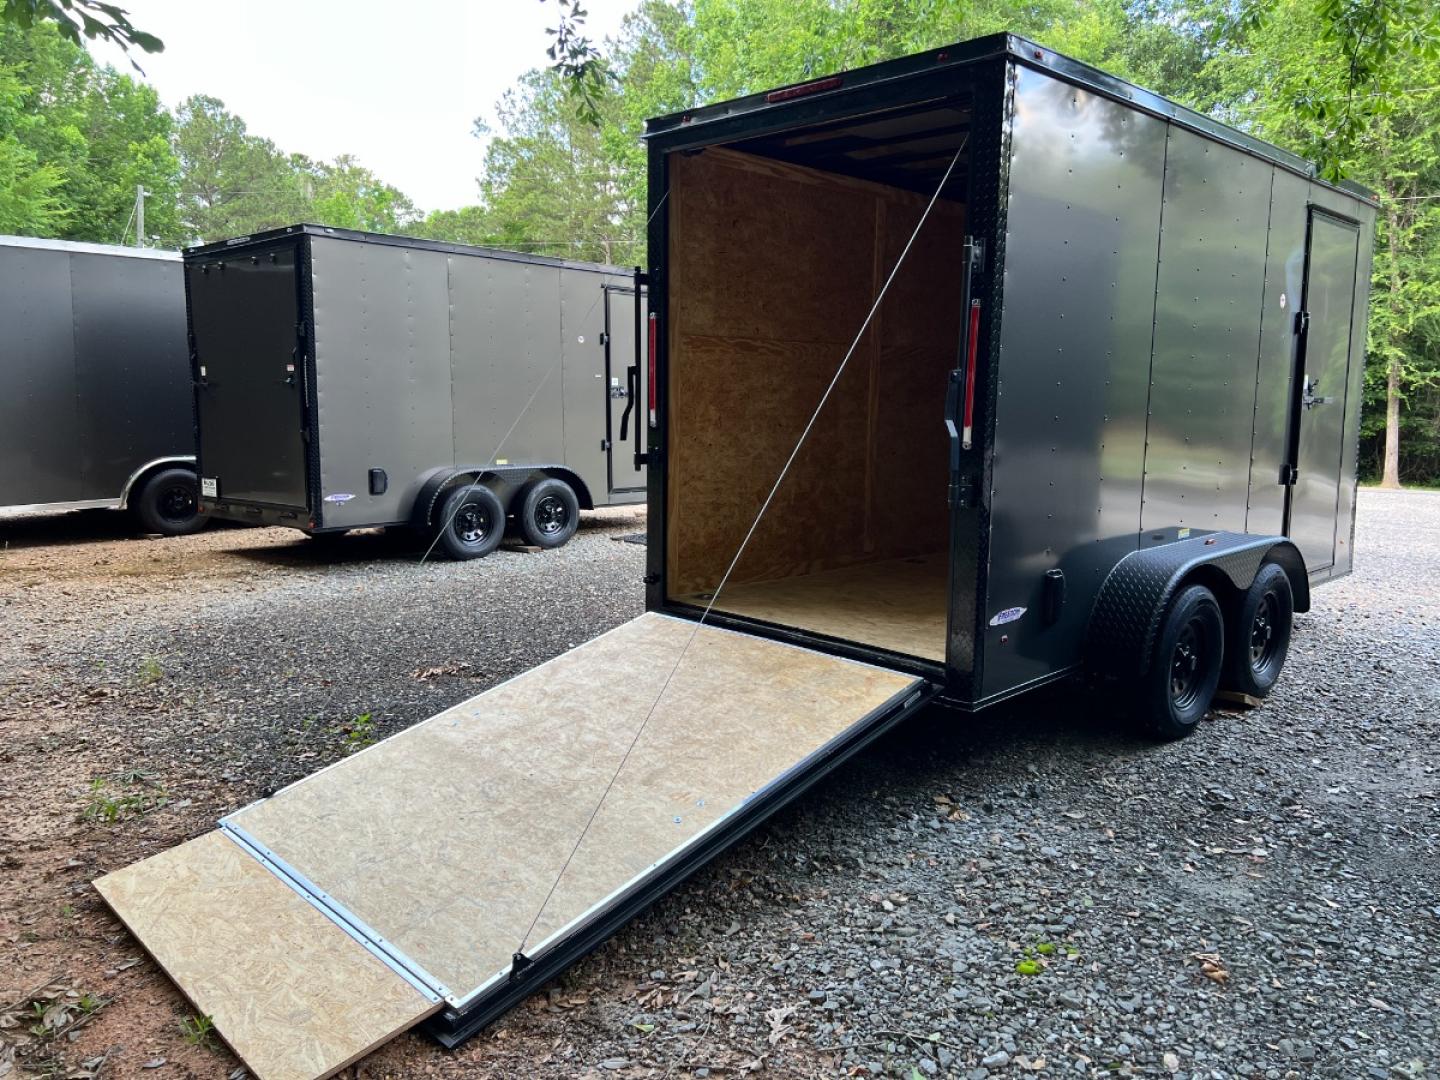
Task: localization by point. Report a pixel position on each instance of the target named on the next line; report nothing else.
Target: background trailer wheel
(1185, 670)
(472, 522)
(1259, 633)
(549, 513)
(169, 503)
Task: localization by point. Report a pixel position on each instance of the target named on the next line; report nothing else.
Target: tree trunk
(1391, 476)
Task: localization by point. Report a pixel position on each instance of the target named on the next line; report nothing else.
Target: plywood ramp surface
(897, 604)
(292, 994)
(446, 838)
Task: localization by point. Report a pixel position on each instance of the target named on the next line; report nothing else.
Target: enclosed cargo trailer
(349, 380)
(1100, 418)
(95, 405)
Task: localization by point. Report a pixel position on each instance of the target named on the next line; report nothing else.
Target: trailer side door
(624, 391)
(1322, 369)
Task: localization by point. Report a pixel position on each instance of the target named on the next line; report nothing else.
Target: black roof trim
(270, 236)
(966, 53)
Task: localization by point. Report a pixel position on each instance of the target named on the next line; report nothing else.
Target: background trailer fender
(1080, 396)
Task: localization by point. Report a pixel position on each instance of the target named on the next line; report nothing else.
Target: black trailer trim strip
(455, 1025)
(291, 232)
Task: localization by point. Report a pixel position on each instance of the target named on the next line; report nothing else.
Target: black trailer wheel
(1185, 670)
(549, 513)
(1260, 634)
(472, 522)
(169, 503)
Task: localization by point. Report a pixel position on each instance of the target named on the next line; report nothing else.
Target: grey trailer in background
(95, 396)
(348, 380)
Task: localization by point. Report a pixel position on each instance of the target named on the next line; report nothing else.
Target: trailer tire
(549, 512)
(472, 522)
(168, 503)
(1184, 672)
(1259, 634)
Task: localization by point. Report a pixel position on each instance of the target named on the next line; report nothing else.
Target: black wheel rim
(1188, 664)
(1264, 638)
(551, 515)
(472, 524)
(176, 502)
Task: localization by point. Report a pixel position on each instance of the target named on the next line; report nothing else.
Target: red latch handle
(651, 368)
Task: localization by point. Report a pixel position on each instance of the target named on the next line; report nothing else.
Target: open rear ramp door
(414, 870)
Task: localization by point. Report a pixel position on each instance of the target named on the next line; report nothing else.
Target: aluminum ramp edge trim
(425, 984)
(569, 944)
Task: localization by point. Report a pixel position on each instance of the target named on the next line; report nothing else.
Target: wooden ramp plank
(446, 838)
(293, 995)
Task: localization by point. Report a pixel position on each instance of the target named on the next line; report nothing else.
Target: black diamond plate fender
(1126, 617)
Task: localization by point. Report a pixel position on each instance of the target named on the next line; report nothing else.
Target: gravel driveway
(1028, 893)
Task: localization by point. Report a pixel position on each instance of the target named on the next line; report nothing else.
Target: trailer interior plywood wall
(773, 269)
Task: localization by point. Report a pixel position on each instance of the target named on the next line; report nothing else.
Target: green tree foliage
(79, 138)
(79, 20)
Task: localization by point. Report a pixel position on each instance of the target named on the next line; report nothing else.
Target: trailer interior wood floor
(773, 268)
(898, 604)
(442, 843)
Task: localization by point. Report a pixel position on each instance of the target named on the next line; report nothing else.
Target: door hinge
(604, 339)
(650, 579)
(1288, 475)
(1302, 322)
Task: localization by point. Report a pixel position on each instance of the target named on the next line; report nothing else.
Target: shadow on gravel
(401, 545)
(76, 527)
(1000, 742)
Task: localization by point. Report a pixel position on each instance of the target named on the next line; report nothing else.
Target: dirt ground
(1036, 893)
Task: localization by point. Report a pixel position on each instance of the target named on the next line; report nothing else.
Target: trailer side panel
(1207, 337)
(39, 430)
(382, 367)
(506, 339)
(134, 396)
(1084, 214)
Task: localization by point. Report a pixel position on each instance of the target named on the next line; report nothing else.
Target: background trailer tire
(1259, 633)
(548, 513)
(169, 503)
(472, 522)
(1185, 671)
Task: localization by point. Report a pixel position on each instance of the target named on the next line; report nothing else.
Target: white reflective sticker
(1282, 301)
(1009, 615)
(339, 497)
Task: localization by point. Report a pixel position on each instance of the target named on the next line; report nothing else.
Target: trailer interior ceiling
(778, 247)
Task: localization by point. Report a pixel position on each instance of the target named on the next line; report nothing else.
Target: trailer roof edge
(81, 247)
(1022, 50)
(241, 243)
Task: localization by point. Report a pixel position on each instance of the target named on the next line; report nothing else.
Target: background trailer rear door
(437, 856)
(249, 369)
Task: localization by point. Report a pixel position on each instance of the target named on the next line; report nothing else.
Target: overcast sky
(396, 84)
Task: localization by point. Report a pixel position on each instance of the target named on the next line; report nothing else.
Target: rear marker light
(972, 341)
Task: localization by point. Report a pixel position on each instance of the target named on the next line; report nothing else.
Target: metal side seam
(429, 987)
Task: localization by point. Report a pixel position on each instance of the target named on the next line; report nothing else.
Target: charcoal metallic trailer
(347, 380)
(95, 404)
(1103, 422)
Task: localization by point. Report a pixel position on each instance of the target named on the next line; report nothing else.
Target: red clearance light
(819, 86)
(972, 343)
(651, 398)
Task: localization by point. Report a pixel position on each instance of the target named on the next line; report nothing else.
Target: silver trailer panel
(382, 366)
